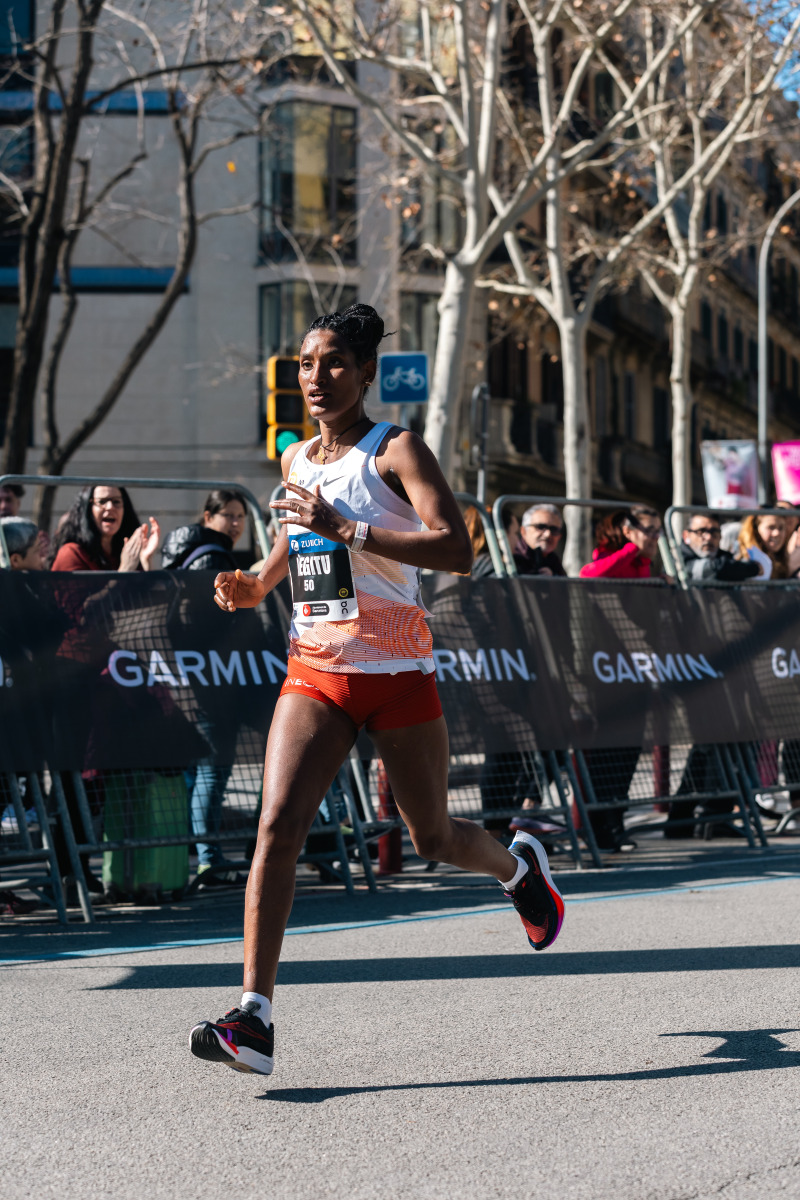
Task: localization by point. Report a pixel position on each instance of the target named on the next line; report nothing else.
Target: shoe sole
(206, 1043)
(544, 866)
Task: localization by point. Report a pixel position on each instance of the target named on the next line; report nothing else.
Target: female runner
(367, 507)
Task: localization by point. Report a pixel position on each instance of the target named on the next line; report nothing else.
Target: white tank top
(390, 633)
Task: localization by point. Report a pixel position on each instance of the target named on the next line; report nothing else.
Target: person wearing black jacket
(542, 530)
(704, 561)
(208, 544)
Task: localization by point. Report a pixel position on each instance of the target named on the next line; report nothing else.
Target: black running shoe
(536, 898)
(239, 1039)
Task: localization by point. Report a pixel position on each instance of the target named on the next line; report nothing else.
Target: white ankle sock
(512, 883)
(264, 1012)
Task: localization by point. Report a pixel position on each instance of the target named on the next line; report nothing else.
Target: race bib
(322, 580)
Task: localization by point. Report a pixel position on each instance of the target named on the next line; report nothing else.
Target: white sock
(264, 1011)
(512, 883)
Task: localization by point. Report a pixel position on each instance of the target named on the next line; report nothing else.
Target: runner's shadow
(750, 1050)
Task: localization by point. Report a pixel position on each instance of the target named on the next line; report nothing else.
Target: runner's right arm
(239, 589)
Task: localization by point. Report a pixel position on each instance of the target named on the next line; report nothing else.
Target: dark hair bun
(359, 325)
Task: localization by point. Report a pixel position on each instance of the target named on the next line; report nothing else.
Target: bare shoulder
(402, 449)
(289, 455)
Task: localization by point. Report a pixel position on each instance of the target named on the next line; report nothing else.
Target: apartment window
(752, 357)
(660, 418)
(722, 214)
(419, 329)
(722, 335)
(629, 402)
(508, 366)
(308, 177)
(8, 326)
(603, 96)
(419, 322)
(16, 26)
(16, 163)
(601, 396)
(430, 210)
(738, 346)
(287, 310)
(706, 320)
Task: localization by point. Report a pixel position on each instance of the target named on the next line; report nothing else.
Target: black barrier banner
(105, 671)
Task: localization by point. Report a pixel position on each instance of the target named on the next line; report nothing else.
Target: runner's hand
(309, 509)
(236, 589)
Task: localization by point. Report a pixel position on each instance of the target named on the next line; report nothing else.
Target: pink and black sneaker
(239, 1039)
(536, 898)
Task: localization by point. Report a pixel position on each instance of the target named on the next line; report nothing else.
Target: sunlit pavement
(422, 1049)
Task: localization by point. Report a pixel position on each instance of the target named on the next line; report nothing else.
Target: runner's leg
(415, 758)
(308, 742)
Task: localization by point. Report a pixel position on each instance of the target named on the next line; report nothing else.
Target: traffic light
(287, 416)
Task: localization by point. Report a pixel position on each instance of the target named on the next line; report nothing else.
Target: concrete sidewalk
(652, 1053)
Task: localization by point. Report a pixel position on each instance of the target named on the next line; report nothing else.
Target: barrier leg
(390, 846)
(358, 832)
(577, 787)
(562, 795)
(749, 796)
(72, 850)
(661, 777)
(47, 842)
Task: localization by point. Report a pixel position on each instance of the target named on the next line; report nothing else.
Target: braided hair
(359, 326)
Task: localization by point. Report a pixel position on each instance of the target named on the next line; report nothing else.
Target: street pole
(763, 300)
(480, 429)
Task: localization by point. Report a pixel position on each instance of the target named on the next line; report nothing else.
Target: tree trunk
(682, 403)
(577, 442)
(442, 423)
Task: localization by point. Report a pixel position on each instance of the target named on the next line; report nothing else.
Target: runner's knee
(280, 833)
(431, 844)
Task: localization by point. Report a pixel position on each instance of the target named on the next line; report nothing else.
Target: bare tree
(729, 70)
(453, 66)
(206, 65)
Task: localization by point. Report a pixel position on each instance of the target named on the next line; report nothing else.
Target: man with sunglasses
(703, 558)
(542, 530)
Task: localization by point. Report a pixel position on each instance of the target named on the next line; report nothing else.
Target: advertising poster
(786, 470)
(730, 472)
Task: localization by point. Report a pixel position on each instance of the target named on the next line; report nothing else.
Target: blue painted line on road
(344, 926)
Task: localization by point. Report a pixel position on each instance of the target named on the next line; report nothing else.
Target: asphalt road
(652, 1054)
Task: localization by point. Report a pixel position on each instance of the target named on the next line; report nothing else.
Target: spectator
(10, 496)
(24, 550)
(207, 545)
(792, 537)
(703, 559)
(23, 543)
(482, 565)
(762, 536)
(627, 543)
(102, 533)
(542, 530)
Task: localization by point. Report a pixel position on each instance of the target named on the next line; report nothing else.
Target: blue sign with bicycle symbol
(403, 378)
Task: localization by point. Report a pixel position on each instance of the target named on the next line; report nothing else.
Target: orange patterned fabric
(383, 632)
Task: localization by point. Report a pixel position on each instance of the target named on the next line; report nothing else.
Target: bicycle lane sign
(403, 378)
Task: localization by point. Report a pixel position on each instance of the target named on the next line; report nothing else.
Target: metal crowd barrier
(141, 821)
(723, 515)
(560, 502)
(174, 485)
(32, 867)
